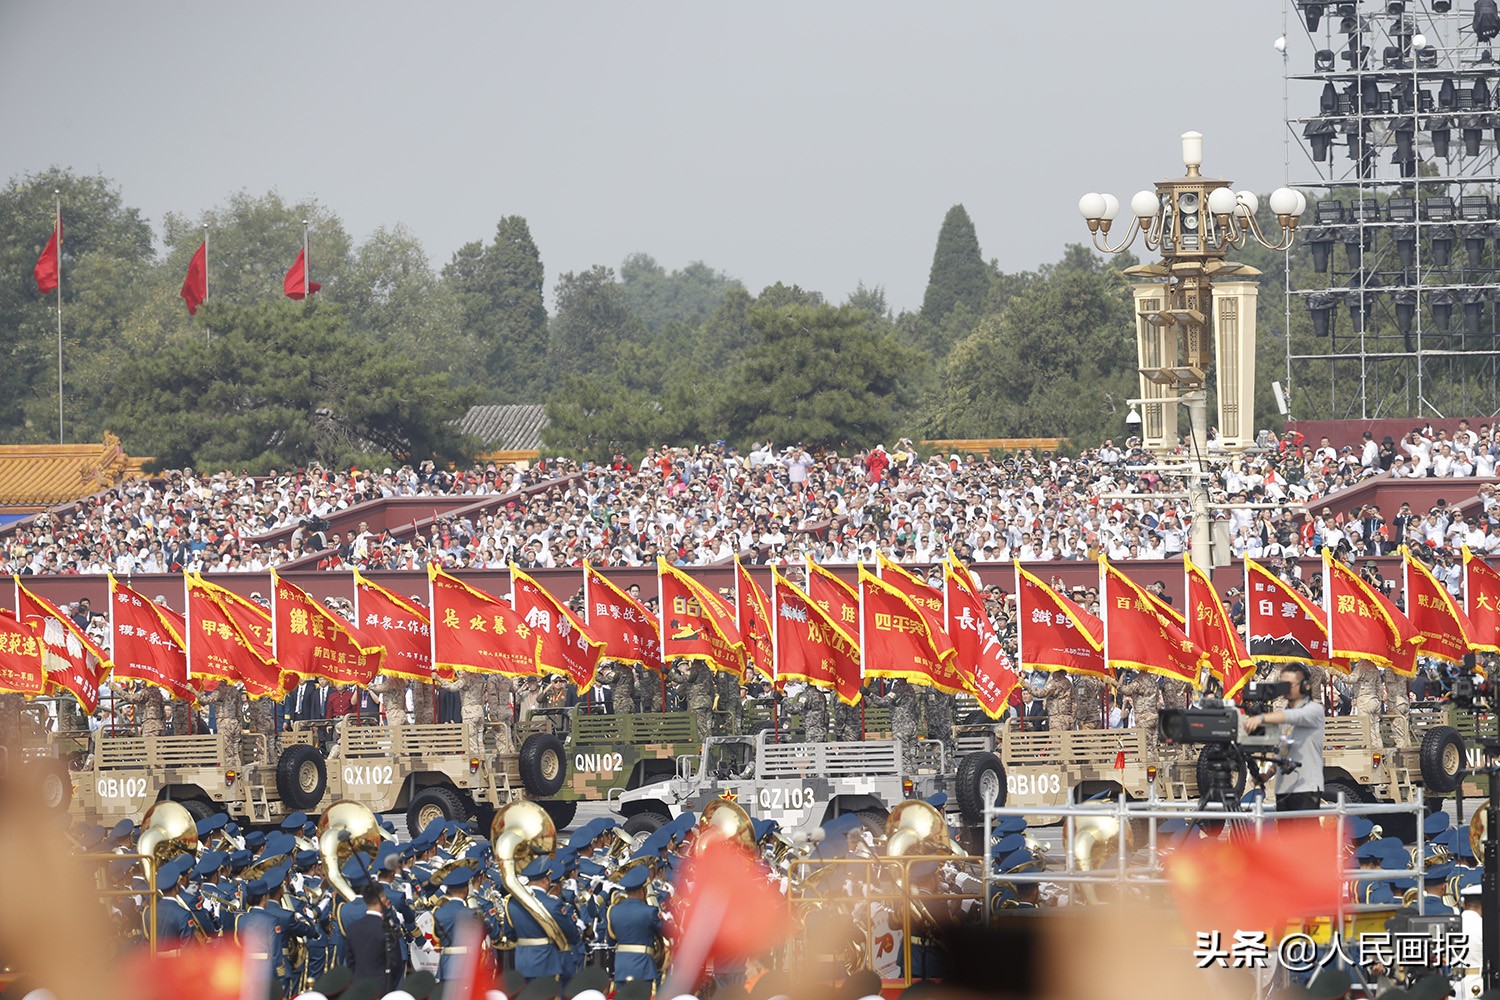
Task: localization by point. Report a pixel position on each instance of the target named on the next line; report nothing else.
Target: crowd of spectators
(774, 503)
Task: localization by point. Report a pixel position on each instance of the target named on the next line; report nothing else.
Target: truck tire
(980, 783)
(644, 822)
(1229, 754)
(1442, 758)
(562, 811)
(53, 783)
(872, 820)
(301, 777)
(433, 804)
(199, 809)
(1353, 793)
(543, 765)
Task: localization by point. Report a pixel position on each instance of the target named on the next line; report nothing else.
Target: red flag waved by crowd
(74, 662)
(146, 641)
(21, 667)
(195, 285)
(630, 633)
(982, 661)
(49, 265)
(479, 632)
(1055, 633)
(311, 641)
(564, 645)
(401, 625)
(810, 646)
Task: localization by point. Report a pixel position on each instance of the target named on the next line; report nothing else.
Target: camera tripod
(1223, 760)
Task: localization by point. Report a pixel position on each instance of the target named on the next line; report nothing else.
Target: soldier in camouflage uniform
(844, 721)
(648, 685)
(11, 706)
(1057, 693)
(392, 692)
(621, 681)
(1397, 700)
(813, 707)
(470, 687)
(698, 691)
(423, 703)
(938, 707)
(731, 702)
(228, 701)
(1088, 700)
(1364, 693)
(1175, 693)
(150, 707)
(182, 716)
(498, 691)
(901, 699)
(1144, 691)
(263, 721)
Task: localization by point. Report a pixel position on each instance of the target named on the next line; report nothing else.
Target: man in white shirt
(1369, 455)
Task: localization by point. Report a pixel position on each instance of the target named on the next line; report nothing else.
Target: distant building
(507, 432)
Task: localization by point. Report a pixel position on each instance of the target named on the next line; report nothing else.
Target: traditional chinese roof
(507, 427)
(36, 477)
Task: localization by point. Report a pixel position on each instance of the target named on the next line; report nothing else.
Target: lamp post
(1193, 307)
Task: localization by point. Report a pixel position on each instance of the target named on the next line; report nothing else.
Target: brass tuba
(344, 829)
(1479, 825)
(167, 830)
(917, 827)
(520, 831)
(724, 819)
(1094, 844)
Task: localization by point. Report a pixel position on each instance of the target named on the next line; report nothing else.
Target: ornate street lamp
(1193, 306)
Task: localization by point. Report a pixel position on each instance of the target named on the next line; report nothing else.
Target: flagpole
(57, 228)
(208, 333)
(1328, 603)
(112, 589)
(187, 625)
(1104, 612)
(1020, 618)
(307, 266)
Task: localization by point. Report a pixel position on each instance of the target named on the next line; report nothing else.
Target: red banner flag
(49, 264)
(311, 641)
(1293, 870)
(1281, 626)
(695, 624)
(1446, 631)
(1209, 627)
(810, 646)
(753, 616)
(566, 647)
(73, 661)
(630, 633)
(1359, 626)
(475, 631)
(1482, 601)
(22, 670)
(1138, 636)
(145, 644)
(195, 285)
(835, 596)
(1055, 633)
(296, 284)
(981, 656)
(229, 638)
(898, 641)
(402, 626)
(928, 600)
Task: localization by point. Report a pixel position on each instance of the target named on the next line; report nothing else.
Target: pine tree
(959, 274)
(500, 288)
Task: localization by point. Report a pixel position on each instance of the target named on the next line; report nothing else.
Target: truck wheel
(301, 777)
(872, 820)
(434, 804)
(980, 783)
(1442, 758)
(1216, 756)
(199, 809)
(562, 811)
(642, 823)
(54, 786)
(542, 765)
(1353, 793)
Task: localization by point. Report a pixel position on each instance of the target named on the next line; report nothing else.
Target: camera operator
(1301, 787)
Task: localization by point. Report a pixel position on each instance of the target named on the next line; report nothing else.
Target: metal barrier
(102, 887)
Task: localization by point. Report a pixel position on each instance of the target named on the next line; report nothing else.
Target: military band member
(634, 926)
(536, 956)
(452, 919)
(174, 919)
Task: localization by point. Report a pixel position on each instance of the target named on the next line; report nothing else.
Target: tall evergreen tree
(959, 274)
(500, 291)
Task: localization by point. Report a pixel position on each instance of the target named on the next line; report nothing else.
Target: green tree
(959, 274)
(592, 323)
(817, 374)
(499, 289)
(106, 248)
(658, 298)
(282, 384)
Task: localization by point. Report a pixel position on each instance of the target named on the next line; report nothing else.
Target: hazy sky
(810, 142)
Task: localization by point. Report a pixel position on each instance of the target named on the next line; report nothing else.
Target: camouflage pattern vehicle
(603, 754)
(799, 785)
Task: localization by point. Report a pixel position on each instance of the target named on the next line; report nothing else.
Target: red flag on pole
(1055, 633)
(899, 641)
(48, 265)
(1138, 636)
(21, 667)
(835, 596)
(74, 662)
(695, 626)
(229, 637)
(403, 626)
(1282, 626)
(297, 285)
(987, 670)
(475, 631)
(1209, 627)
(1482, 601)
(195, 285)
(147, 644)
(1359, 627)
(810, 646)
(566, 647)
(629, 632)
(1446, 631)
(312, 641)
(753, 615)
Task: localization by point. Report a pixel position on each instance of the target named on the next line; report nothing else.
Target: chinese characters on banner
(472, 630)
(73, 662)
(1055, 633)
(147, 643)
(1140, 636)
(1362, 625)
(629, 632)
(1210, 629)
(981, 657)
(753, 616)
(229, 638)
(810, 646)
(21, 668)
(1482, 600)
(839, 599)
(1281, 625)
(695, 625)
(312, 641)
(899, 642)
(563, 646)
(401, 625)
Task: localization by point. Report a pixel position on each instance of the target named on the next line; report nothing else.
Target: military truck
(602, 754)
(800, 785)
